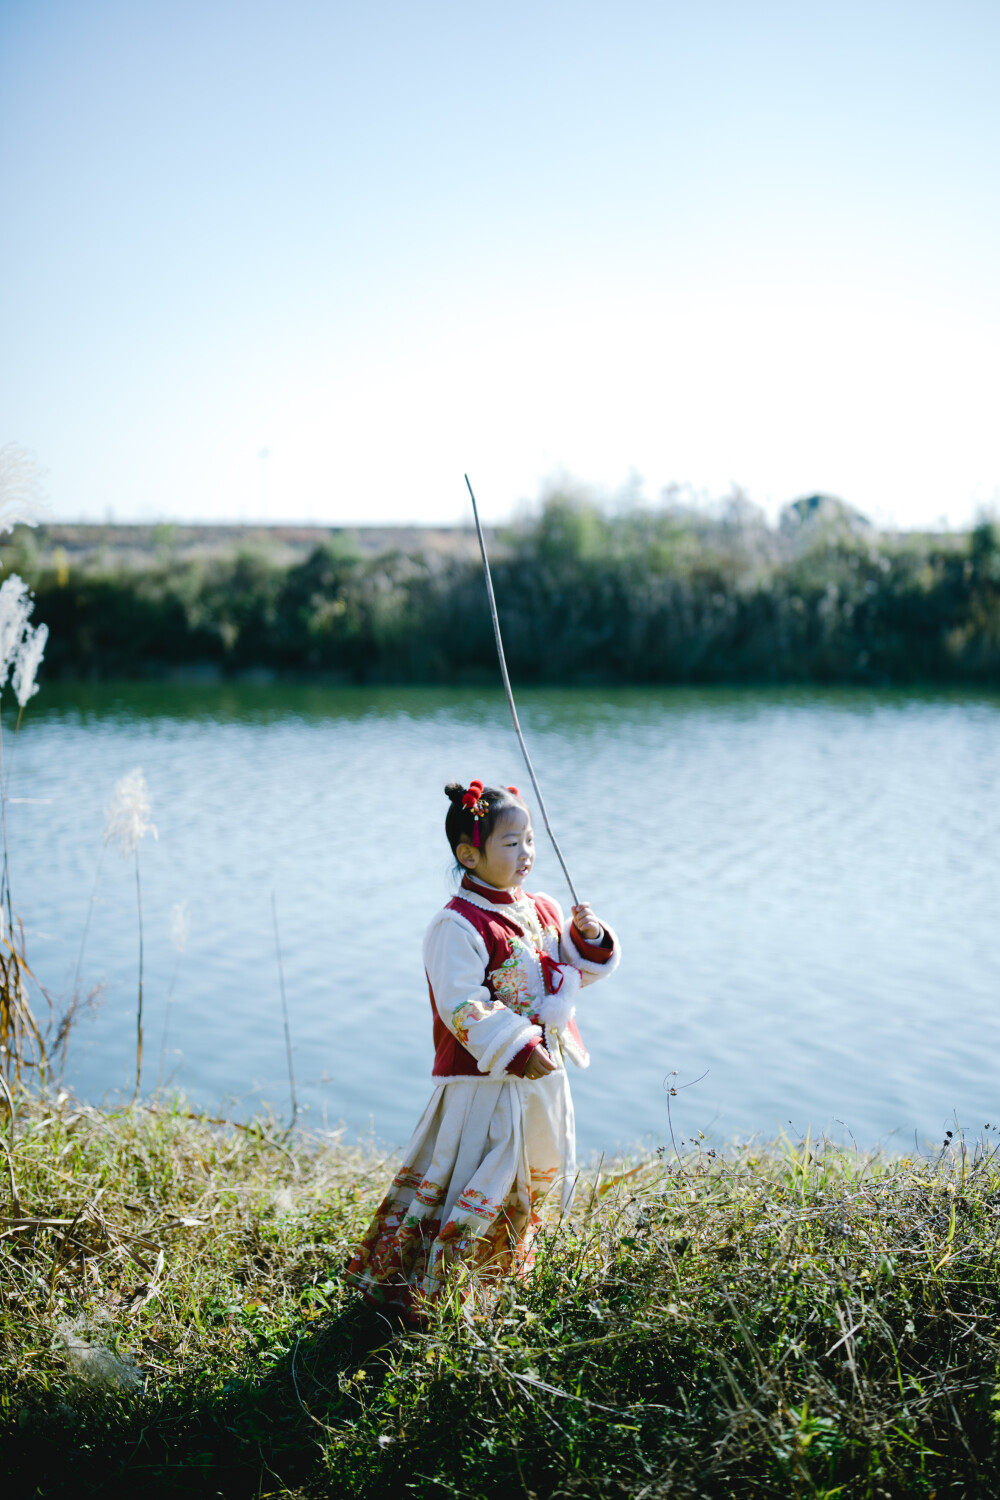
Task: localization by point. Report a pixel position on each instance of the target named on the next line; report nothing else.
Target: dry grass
(22, 1045)
(791, 1320)
(154, 1209)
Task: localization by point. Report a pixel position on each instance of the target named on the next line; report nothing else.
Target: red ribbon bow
(552, 973)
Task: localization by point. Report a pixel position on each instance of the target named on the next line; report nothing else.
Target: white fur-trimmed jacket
(504, 972)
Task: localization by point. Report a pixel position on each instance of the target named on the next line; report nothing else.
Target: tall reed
(128, 822)
(22, 648)
(284, 1014)
(179, 927)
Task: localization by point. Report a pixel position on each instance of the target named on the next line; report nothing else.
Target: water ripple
(806, 884)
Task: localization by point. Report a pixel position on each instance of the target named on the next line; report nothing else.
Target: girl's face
(508, 854)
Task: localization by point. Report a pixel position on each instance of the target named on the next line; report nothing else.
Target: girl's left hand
(586, 923)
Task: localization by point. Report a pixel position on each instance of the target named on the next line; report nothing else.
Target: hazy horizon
(648, 245)
(523, 512)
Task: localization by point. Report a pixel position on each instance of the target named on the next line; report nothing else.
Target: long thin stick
(284, 1012)
(510, 696)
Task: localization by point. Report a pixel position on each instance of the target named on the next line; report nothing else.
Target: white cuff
(524, 1036)
(587, 965)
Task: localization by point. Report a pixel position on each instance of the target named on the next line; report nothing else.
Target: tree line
(674, 593)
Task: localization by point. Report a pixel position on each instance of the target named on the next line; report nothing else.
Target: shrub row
(645, 596)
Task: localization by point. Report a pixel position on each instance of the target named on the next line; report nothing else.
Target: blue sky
(735, 242)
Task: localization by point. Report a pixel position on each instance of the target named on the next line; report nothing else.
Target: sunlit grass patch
(190, 1241)
(795, 1319)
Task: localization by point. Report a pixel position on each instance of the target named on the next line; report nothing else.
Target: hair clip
(475, 803)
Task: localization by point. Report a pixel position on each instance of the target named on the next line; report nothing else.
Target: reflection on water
(806, 887)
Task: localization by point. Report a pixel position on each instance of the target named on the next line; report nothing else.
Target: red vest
(504, 978)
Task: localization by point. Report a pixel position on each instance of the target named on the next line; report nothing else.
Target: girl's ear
(467, 856)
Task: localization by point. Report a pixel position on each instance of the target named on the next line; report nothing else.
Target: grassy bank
(793, 1320)
(672, 594)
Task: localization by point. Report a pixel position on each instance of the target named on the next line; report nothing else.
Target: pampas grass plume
(27, 662)
(15, 607)
(21, 501)
(128, 814)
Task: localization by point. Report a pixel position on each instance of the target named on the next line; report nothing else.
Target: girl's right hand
(538, 1064)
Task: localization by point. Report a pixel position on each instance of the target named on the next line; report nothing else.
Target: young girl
(504, 973)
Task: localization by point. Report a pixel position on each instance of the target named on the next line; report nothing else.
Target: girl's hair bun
(454, 791)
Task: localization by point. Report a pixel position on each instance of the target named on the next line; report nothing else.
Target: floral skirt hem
(465, 1205)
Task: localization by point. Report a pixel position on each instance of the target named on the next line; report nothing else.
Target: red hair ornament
(473, 801)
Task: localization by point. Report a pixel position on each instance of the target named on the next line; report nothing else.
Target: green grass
(789, 1320)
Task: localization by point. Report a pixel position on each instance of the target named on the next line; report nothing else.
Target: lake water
(806, 886)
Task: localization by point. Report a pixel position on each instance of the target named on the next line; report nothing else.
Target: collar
(493, 896)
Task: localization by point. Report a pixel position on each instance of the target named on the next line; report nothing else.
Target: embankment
(787, 1320)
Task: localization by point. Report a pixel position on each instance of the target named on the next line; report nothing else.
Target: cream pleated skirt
(481, 1163)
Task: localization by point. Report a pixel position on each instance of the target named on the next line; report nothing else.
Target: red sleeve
(520, 1062)
(595, 953)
